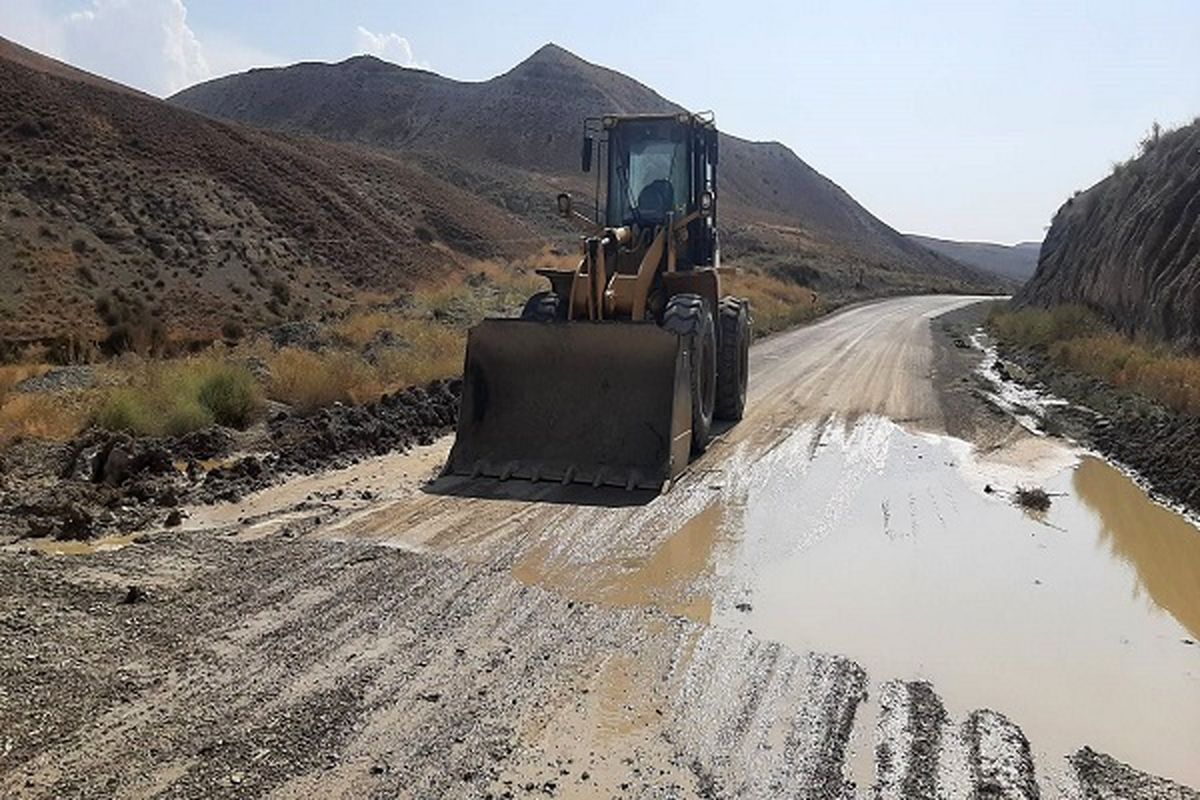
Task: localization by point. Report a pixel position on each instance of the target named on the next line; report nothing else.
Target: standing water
(905, 553)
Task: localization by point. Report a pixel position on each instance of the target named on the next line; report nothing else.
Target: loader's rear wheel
(689, 316)
(733, 358)
(544, 307)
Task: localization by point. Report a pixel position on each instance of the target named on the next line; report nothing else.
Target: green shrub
(231, 395)
(176, 398)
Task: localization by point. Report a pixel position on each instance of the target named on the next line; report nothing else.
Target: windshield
(648, 175)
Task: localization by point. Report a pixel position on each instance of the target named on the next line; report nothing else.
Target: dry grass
(35, 415)
(41, 416)
(1149, 369)
(481, 290)
(775, 304)
(416, 352)
(1078, 340)
(12, 374)
(309, 381)
(1042, 327)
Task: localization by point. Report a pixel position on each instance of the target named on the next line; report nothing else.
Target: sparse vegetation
(774, 304)
(399, 352)
(1076, 339)
(41, 416)
(1041, 327)
(131, 325)
(182, 396)
(36, 415)
(309, 380)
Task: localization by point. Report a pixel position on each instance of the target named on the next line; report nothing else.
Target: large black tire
(733, 358)
(690, 317)
(544, 307)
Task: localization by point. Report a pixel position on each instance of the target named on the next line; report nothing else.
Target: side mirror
(706, 202)
(586, 155)
(564, 205)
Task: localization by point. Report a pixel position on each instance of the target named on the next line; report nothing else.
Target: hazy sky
(967, 120)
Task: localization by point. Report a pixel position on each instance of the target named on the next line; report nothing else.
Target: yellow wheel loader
(613, 376)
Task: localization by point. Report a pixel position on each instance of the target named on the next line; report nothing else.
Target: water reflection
(1161, 546)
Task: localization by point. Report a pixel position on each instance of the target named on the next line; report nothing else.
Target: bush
(231, 395)
(1032, 498)
(173, 399)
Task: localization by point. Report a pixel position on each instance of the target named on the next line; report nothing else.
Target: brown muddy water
(883, 545)
(867, 540)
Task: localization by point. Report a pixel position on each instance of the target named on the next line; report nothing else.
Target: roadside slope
(1129, 247)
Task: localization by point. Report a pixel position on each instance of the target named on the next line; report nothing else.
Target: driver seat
(655, 200)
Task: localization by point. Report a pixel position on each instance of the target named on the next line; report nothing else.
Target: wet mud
(106, 482)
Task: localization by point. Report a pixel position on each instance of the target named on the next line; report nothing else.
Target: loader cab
(658, 167)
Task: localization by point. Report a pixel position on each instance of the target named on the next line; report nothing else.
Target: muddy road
(838, 600)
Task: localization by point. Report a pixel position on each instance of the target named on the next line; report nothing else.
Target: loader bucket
(602, 403)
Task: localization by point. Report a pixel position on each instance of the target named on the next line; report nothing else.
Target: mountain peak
(553, 56)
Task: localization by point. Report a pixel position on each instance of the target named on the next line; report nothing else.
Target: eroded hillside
(1129, 247)
(116, 206)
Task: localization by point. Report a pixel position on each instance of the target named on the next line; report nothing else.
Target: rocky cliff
(1129, 247)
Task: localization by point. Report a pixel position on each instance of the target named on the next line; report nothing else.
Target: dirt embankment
(104, 481)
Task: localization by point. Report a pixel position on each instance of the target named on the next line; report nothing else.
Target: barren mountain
(117, 207)
(530, 120)
(1012, 262)
(1129, 247)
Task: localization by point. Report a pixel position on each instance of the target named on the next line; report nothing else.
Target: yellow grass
(12, 374)
(1152, 370)
(35, 415)
(429, 352)
(1077, 339)
(774, 304)
(40, 416)
(421, 351)
(310, 380)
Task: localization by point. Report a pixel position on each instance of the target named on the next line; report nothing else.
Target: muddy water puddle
(906, 553)
(884, 546)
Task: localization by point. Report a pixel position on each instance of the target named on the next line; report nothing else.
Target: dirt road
(363, 634)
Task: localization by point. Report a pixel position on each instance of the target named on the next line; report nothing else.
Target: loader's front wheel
(544, 307)
(733, 358)
(690, 317)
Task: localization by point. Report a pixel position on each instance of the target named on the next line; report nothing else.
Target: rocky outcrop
(1129, 247)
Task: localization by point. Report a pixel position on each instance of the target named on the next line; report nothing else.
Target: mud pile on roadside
(104, 482)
